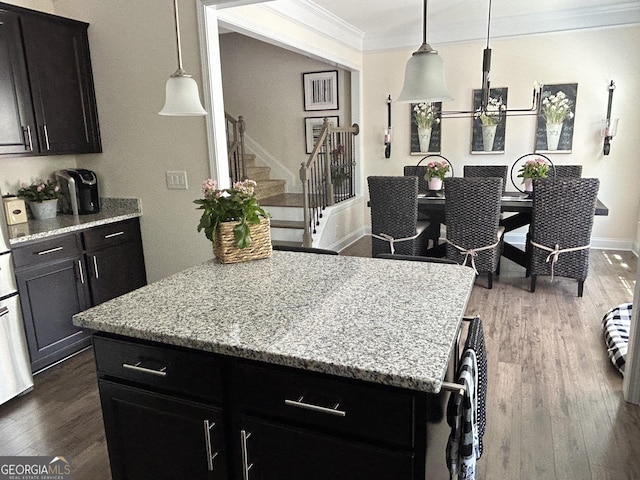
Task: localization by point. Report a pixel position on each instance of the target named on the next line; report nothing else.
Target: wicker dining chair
(472, 215)
(567, 171)
(562, 220)
(419, 171)
(394, 214)
(475, 171)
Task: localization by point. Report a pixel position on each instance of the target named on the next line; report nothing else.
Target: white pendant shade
(182, 97)
(424, 79)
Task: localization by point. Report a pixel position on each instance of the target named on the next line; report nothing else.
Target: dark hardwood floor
(555, 408)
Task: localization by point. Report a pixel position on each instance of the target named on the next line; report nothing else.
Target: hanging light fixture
(424, 73)
(486, 89)
(182, 97)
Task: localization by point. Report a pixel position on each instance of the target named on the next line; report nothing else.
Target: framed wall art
(554, 130)
(313, 127)
(320, 90)
(425, 128)
(488, 130)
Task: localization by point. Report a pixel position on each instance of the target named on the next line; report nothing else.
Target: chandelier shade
(424, 79)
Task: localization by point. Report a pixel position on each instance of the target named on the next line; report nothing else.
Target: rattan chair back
(394, 212)
(418, 171)
(568, 171)
(563, 210)
(472, 216)
(479, 171)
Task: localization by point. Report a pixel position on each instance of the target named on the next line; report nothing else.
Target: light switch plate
(176, 180)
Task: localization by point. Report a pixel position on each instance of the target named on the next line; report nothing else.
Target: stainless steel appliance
(15, 367)
(79, 191)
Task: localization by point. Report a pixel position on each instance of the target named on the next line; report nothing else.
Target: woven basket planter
(226, 250)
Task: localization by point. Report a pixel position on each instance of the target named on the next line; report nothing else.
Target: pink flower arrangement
(39, 192)
(535, 168)
(436, 169)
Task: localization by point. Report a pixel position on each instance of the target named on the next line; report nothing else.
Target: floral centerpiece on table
(436, 169)
(492, 114)
(237, 204)
(39, 192)
(536, 168)
(555, 108)
(425, 115)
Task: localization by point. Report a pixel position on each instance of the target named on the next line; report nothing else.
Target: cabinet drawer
(166, 368)
(340, 405)
(45, 251)
(111, 234)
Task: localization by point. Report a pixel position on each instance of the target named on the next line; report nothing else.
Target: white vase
(553, 135)
(528, 185)
(424, 137)
(45, 209)
(488, 137)
(435, 183)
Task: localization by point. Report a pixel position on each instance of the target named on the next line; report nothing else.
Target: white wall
(589, 58)
(263, 83)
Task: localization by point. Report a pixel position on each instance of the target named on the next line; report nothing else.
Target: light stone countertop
(384, 321)
(111, 210)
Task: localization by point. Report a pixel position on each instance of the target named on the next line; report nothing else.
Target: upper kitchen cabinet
(47, 99)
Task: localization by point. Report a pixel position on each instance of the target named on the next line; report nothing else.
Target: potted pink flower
(436, 171)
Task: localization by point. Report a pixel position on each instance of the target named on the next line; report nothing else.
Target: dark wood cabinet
(276, 423)
(57, 278)
(47, 94)
(50, 294)
(115, 260)
(160, 436)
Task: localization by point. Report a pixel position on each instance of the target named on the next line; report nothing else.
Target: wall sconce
(609, 125)
(387, 131)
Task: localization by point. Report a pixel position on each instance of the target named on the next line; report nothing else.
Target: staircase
(287, 217)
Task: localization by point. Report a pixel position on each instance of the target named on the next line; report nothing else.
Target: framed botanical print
(313, 128)
(425, 128)
(320, 90)
(554, 130)
(489, 127)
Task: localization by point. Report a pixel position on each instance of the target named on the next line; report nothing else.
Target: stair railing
(235, 148)
(328, 176)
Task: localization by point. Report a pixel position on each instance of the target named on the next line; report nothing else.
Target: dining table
(432, 204)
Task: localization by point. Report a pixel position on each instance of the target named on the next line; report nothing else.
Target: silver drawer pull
(316, 408)
(51, 250)
(246, 466)
(46, 136)
(3, 311)
(160, 373)
(111, 235)
(95, 266)
(207, 441)
(81, 273)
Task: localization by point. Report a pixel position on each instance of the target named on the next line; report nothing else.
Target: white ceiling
(384, 24)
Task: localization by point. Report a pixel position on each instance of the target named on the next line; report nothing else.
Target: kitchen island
(297, 366)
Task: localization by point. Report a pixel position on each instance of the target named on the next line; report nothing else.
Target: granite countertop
(111, 210)
(384, 321)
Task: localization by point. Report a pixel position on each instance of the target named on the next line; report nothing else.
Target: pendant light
(182, 97)
(424, 73)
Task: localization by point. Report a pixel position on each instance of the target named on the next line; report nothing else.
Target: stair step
(258, 174)
(286, 224)
(284, 200)
(269, 188)
(250, 159)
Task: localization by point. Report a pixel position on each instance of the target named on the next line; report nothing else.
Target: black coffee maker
(79, 191)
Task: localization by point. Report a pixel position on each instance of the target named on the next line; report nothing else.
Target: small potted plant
(234, 222)
(436, 171)
(425, 115)
(533, 168)
(42, 198)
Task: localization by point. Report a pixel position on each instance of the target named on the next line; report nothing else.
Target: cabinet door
(161, 437)
(117, 268)
(270, 451)
(17, 124)
(50, 295)
(59, 65)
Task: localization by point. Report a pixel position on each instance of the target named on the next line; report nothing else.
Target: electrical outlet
(176, 180)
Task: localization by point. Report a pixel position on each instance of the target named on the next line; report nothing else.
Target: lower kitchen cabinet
(271, 451)
(160, 436)
(50, 295)
(59, 276)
